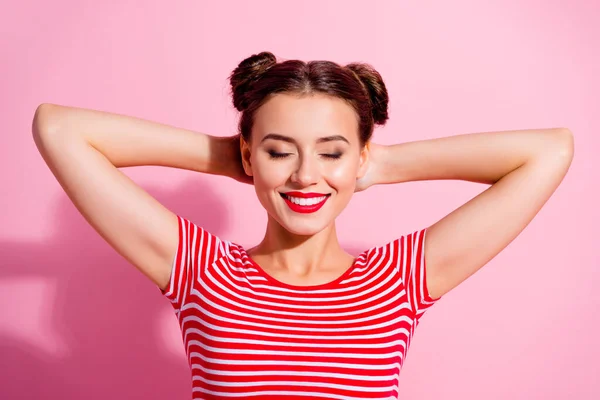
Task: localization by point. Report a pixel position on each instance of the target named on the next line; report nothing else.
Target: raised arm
(84, 149)
(523, 167)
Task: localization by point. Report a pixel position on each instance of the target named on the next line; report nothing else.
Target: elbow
(557, 145)
(44, 120)
(44, 126)
(566, 143)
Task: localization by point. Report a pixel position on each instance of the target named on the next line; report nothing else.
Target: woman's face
(305, 156)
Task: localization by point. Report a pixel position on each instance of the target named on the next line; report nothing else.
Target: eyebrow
(277, 136)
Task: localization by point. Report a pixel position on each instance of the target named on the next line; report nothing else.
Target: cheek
(344, 174)
(269, 176)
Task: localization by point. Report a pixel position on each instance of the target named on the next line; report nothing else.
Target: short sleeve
(412, 268)
(196, 249)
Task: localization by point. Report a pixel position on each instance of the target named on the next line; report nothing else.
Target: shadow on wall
(104, 310)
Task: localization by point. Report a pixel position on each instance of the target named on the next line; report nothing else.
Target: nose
(307, 171)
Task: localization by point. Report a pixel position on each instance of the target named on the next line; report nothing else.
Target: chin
(302, 225)
(308, 224)
(304, 229)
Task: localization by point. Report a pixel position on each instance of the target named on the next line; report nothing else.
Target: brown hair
(259, 76)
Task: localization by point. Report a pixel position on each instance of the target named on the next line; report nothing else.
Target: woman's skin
(84, 149)
(306, 135)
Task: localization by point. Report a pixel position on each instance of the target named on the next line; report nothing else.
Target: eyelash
(275, 155)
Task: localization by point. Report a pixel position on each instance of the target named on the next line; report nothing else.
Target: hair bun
(246, 74)
(373, 82)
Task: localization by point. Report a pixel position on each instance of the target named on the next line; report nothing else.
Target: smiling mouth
(305, 201)
(305, 205)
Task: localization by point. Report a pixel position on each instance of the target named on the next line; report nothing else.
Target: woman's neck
(298, 255)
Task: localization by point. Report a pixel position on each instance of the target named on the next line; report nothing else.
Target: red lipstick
(306, 208)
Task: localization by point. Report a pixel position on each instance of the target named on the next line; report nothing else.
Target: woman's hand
(371, 177)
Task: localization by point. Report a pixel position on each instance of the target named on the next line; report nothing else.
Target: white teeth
(306, 202)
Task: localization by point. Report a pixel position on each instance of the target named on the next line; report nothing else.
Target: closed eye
(275, 154)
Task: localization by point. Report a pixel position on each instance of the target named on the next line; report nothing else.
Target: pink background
(76, 321)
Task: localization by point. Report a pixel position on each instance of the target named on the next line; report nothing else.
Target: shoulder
(400, 246)
(198, 240)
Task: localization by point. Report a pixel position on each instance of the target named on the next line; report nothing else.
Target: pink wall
(76, 321)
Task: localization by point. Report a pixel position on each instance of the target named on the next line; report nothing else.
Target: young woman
(296, 316)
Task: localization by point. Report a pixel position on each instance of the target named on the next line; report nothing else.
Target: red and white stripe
(248, 335)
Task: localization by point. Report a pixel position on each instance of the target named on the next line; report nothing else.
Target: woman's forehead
(305, 118)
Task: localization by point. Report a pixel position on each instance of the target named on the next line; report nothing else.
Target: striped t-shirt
(249, 336)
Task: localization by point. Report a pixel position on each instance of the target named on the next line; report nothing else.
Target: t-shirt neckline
(277, 282)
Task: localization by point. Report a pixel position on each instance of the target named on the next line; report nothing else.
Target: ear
(365, 155)
(245, 152)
